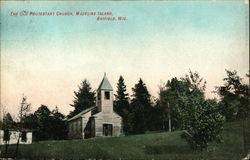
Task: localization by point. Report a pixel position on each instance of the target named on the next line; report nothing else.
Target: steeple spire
(105, 85)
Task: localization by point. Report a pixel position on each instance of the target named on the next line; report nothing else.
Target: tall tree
(121, 103)
(44, 127)
(84, 98)
(121, 98)
(24, 109)
(190, 110)
(171, 96)
(140, 108)
(195, 81)
(141, 94)
(59, 125)
(234, 97)
(170, 102)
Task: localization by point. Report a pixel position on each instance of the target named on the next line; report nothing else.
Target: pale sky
(46, 57)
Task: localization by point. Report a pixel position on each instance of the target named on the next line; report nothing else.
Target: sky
(46, 57)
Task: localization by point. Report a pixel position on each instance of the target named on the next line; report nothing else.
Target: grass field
(163, 145)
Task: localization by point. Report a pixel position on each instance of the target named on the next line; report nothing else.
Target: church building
(99, 120)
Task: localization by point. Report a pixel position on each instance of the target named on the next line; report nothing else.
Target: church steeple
(105, 85)
(104, 99)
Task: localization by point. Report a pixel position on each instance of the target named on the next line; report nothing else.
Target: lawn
(162, 145)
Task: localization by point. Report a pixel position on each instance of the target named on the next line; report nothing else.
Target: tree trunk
(17, 145)
(6, 148)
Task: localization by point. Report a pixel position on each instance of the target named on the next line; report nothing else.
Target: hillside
(161, 145)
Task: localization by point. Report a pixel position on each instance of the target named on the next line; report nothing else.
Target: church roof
(105, 85)
(82, 113)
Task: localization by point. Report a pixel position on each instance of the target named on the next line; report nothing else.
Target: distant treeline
(181, 104)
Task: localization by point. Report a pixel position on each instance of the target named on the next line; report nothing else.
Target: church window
(107, 95)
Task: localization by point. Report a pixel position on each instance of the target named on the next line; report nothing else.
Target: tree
(189, 109)
(121, 103)
(170, 97)
(30, 121)
(195, 81)
(121, 98)
(140, 116)
(199, 117)
(24, 109)
(83, 99)
(141, 94)
(46, 124)
(44, 127)
(157, 117)
(59, 125)
(234, 97)
(7, 121)
(202, 122)
(136, 118)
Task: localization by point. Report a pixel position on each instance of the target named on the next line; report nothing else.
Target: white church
(99, 120)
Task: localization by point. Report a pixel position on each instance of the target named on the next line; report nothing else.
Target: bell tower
(104, 99)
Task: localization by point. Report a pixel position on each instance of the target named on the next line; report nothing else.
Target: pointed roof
(105, 85)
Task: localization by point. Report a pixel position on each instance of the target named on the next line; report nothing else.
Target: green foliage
(121, 104)
(172, 95)
(190, 111)
(8, 121)
(141, 94)
(121, 97)
(234, 97)
(155, 118)
(59, 125)
(139, 111)
(202, 122)
(83, 99)
(30, 121)
(136, 118)
(46, 125)
(194, 81)
(43, 123)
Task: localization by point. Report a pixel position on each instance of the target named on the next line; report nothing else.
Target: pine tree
(140, 108)
(121, 98)
(121, 103)
(141, 94)
(83, 99)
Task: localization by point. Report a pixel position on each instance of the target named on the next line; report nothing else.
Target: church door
(107, 129)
